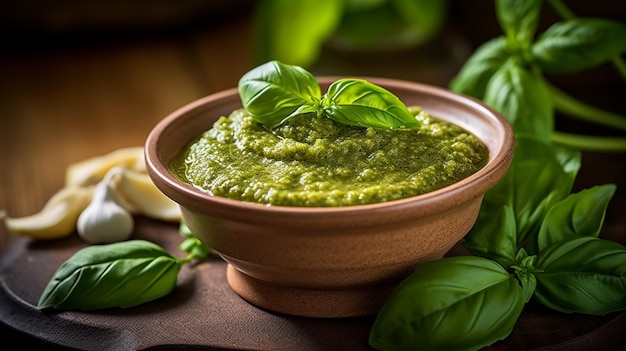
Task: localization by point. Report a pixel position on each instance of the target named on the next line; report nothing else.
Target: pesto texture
(314, 161)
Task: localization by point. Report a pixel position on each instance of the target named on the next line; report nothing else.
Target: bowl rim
(461, 191)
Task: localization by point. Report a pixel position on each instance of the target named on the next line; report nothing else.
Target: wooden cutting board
(203, 313)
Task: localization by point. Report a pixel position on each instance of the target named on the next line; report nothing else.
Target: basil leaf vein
(274, 91)
(584, 275)
(360, 103)
(579, 214)
(522, 99)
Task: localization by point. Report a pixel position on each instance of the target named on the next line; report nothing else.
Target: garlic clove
(93, 170)
(57, 218)
(104, 220)
(144, 197)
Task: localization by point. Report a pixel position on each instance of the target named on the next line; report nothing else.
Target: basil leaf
(274, 92)
(579, 214)
(570, 160)
(360, 103)
(584, 275)
(456, 303)
(522, 99)
(534, 182)
(122, 274)
(494, 235)
(577, 44)
(294, 31)
(519, 20)
(476, 72)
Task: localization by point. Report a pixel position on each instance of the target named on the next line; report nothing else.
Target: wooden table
(62, 105)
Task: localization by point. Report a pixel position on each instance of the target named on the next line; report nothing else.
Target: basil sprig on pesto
(275, 92)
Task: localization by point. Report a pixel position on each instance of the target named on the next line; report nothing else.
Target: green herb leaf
(360, 103)
(494, 235)
(577, 44)
(274, 92)
(579, 214)
(522, 99)
(584, 275)
(537, 179)
(519, 20)
(122, 274)
(192, 245)
(456, 303)
(570, 161)
(476, 72)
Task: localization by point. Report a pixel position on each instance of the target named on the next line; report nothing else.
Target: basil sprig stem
(590, 142)
(274, 92)
(578, 109)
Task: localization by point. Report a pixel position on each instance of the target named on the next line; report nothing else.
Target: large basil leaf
(494, 235)
(579, 214)
(274, 91)
(294, 31)
(122, 274)
(519, 20)
(522, 99)
(584, 275)
(360, 103)
(456, 303)
(473, 77)
(534, 182)
(578, 44)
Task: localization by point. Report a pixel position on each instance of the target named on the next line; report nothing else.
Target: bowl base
(319, 303)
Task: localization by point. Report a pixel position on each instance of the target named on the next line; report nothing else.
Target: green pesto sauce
(314, 161)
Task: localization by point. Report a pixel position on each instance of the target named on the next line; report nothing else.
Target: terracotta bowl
(330, 261)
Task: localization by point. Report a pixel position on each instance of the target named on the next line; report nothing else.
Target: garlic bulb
(104, 220)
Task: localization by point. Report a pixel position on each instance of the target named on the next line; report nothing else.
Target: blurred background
(80, 79)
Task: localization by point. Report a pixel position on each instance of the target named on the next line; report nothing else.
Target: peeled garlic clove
(138, 189)
(104, 221)
(58, 217)
(93, 170)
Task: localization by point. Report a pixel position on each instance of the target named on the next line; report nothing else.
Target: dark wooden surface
(204, 313)
(67, 98)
